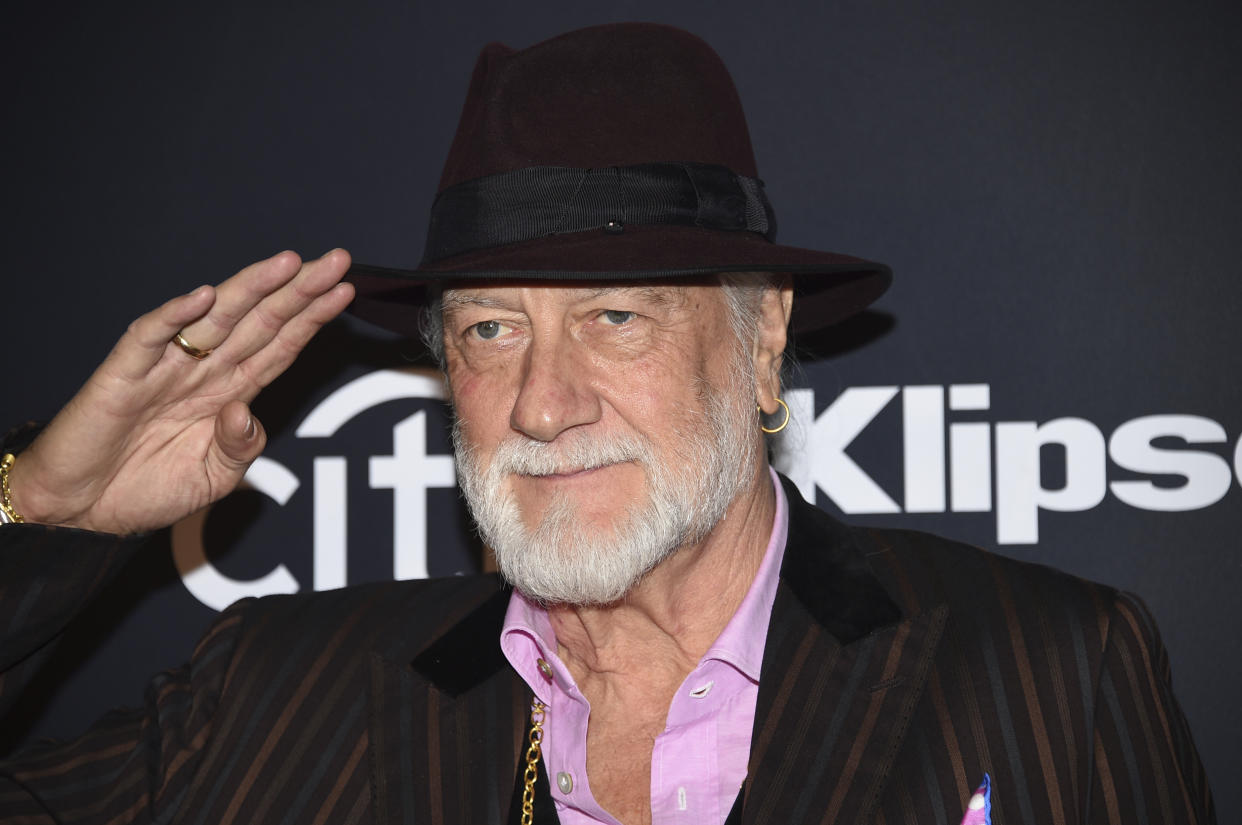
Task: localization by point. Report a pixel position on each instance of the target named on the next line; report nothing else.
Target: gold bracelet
(6, 498)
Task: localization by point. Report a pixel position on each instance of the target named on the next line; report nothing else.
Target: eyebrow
(657, 294)
(459, 299)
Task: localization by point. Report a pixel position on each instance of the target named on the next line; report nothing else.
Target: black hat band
(539, 201)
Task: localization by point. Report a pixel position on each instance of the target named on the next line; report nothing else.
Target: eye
(617, 317)
(487, 330)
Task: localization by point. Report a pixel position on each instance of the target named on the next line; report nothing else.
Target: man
(686, 640)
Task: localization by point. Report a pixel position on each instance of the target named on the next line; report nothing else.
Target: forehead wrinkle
(663, 295)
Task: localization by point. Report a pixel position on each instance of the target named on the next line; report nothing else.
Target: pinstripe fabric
(1057, 687)
(292, 710)
(898, 669)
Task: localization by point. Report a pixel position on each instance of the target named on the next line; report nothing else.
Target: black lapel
(828, 572)
(842, 670)
(447, 717)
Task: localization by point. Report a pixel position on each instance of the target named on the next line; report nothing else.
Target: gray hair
(431, 326)
(743, 293)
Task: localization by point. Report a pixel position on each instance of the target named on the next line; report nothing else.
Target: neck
(667, 622)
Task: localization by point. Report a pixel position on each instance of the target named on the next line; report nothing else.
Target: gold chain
(537, 712)
(6, 498)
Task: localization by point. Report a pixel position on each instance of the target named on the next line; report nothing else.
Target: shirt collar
(741, 642)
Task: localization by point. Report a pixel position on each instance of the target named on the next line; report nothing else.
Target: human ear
(772, 324)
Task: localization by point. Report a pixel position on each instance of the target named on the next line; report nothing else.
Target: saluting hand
(155, 434)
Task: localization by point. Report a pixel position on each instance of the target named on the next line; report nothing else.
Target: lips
(569, 473)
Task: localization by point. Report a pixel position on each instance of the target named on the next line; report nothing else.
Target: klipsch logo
(977, 466)
(959, 466)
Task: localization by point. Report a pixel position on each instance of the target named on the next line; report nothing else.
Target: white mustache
(524, 456)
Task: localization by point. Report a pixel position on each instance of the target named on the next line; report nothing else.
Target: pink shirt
(699, 761)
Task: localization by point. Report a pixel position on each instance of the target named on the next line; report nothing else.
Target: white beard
(561, 559)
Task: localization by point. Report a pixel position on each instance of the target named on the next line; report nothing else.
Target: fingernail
(250, 428)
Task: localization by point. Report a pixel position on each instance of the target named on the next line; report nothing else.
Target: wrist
(20, 497)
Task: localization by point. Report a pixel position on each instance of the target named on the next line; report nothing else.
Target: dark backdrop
(1055, 184)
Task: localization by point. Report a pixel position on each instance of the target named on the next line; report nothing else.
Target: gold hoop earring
(783, 424)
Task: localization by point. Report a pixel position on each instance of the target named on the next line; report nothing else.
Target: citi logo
(409, 471)
(976, 466)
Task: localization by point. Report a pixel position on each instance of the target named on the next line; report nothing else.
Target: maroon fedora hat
(617, 151)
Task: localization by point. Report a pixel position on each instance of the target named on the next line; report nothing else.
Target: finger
(268, 363)
(239, 437)
(146, 340)
(265, 321)
(240, 294)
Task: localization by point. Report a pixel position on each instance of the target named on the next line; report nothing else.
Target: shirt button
(544, 668)
(565, 782)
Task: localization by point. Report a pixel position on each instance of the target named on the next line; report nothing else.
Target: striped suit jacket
(899, 668)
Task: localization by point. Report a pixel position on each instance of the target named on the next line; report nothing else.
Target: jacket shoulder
(920, 570)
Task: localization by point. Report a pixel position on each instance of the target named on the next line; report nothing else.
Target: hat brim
(829, 287)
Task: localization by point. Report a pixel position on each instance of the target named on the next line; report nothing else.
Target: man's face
(598, 428)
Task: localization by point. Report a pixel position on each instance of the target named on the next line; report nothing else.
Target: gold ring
(783, 424)
(189, 349)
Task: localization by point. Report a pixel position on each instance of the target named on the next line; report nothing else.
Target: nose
(555, 394)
